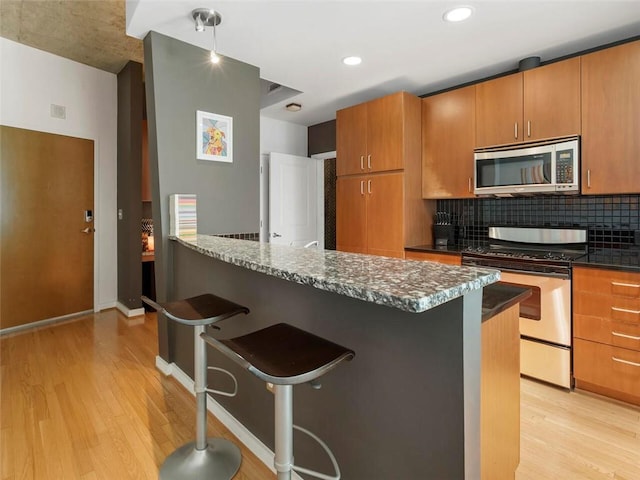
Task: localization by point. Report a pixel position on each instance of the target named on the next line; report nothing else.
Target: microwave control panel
(564, 166)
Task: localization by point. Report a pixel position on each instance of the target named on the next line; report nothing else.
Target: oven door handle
(563, 276)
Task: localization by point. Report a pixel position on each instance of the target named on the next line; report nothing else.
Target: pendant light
(206, 17)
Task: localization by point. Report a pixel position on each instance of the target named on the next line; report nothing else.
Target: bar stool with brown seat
(285, 356)
(206, 458)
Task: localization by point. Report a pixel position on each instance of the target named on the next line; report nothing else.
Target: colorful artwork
(214, 137)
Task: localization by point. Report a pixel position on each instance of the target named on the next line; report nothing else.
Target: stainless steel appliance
(544, 167)
(538, 258)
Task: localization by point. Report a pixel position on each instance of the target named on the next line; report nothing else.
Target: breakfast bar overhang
(408, 406)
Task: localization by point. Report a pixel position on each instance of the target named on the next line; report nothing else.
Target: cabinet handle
(624, 335)
(361, 162)
(369, 162)
(626, 362)
(369, 186)
(617, 309)
(361, 187)
(620, 284)
(588, 178)
(515, 130)
(528, 128)
(469, 187)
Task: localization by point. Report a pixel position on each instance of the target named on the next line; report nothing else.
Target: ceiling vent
(272, 93)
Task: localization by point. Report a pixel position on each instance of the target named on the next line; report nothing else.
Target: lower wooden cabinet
(370, 217)
(606, 331)
(448, 258)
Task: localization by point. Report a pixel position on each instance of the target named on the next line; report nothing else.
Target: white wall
(30, 81)
(282, 137)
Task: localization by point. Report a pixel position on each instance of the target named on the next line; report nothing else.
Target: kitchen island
(408, 406)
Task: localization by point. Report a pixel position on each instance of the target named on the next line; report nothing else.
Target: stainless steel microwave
(544, 167)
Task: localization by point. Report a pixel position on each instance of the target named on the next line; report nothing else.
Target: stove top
(544, 254)
(536, 250)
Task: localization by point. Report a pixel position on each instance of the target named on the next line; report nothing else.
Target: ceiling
(405, 45)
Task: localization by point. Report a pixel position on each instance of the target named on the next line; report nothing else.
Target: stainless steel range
(538, 258)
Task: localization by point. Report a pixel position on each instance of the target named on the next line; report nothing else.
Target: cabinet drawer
(610, 367)
(611, 332)
(609, 282)
(621, 309)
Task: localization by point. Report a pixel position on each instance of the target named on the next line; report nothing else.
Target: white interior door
(294, 200)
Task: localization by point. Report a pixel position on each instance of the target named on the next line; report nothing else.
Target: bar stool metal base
(219, 461)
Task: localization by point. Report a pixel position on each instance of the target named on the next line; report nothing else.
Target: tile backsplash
(610, 219)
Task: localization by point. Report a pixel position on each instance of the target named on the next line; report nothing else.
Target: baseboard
(43, 323)
(253, 443)
(128, 312)
(105, 306)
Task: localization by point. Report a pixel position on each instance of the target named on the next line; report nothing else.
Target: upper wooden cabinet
(537, 104)
(448, 140)
(371, 137)
(611, 120)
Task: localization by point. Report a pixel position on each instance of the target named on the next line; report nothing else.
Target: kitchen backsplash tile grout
(611, 220)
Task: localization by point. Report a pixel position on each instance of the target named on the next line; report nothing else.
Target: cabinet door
(499, 111)
(448, 140)
(385, 214)
(448, 258)
(385, 130)
(351, 214)
(351, 140)
(610, 120)
(552, 100)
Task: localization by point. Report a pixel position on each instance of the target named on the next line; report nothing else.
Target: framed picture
(214, 137)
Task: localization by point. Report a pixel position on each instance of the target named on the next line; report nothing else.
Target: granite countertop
(409, 285)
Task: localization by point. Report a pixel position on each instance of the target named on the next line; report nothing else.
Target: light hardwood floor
(83, 400)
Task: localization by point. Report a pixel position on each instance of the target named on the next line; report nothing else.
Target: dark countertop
(451, 249)
(627, 259)
(499, 296)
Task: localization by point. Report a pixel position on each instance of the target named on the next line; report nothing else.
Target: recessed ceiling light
(457, 14)
(352, 60)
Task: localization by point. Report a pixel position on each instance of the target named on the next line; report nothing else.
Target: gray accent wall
(179, 80)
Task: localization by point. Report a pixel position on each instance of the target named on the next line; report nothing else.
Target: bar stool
(210, 458)
(286, 356)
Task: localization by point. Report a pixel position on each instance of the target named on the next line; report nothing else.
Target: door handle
(88, 230)
(275, 235)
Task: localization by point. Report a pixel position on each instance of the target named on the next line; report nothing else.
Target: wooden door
(448, 140)
(351, 214)
(552, 100)
(385, 133)
(610, 120)
(351, 140)
(499, 111)
(46, 261)
(385, 214)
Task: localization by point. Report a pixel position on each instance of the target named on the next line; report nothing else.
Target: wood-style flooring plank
(83, 400)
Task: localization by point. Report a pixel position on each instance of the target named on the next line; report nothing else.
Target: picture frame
(214, 137)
